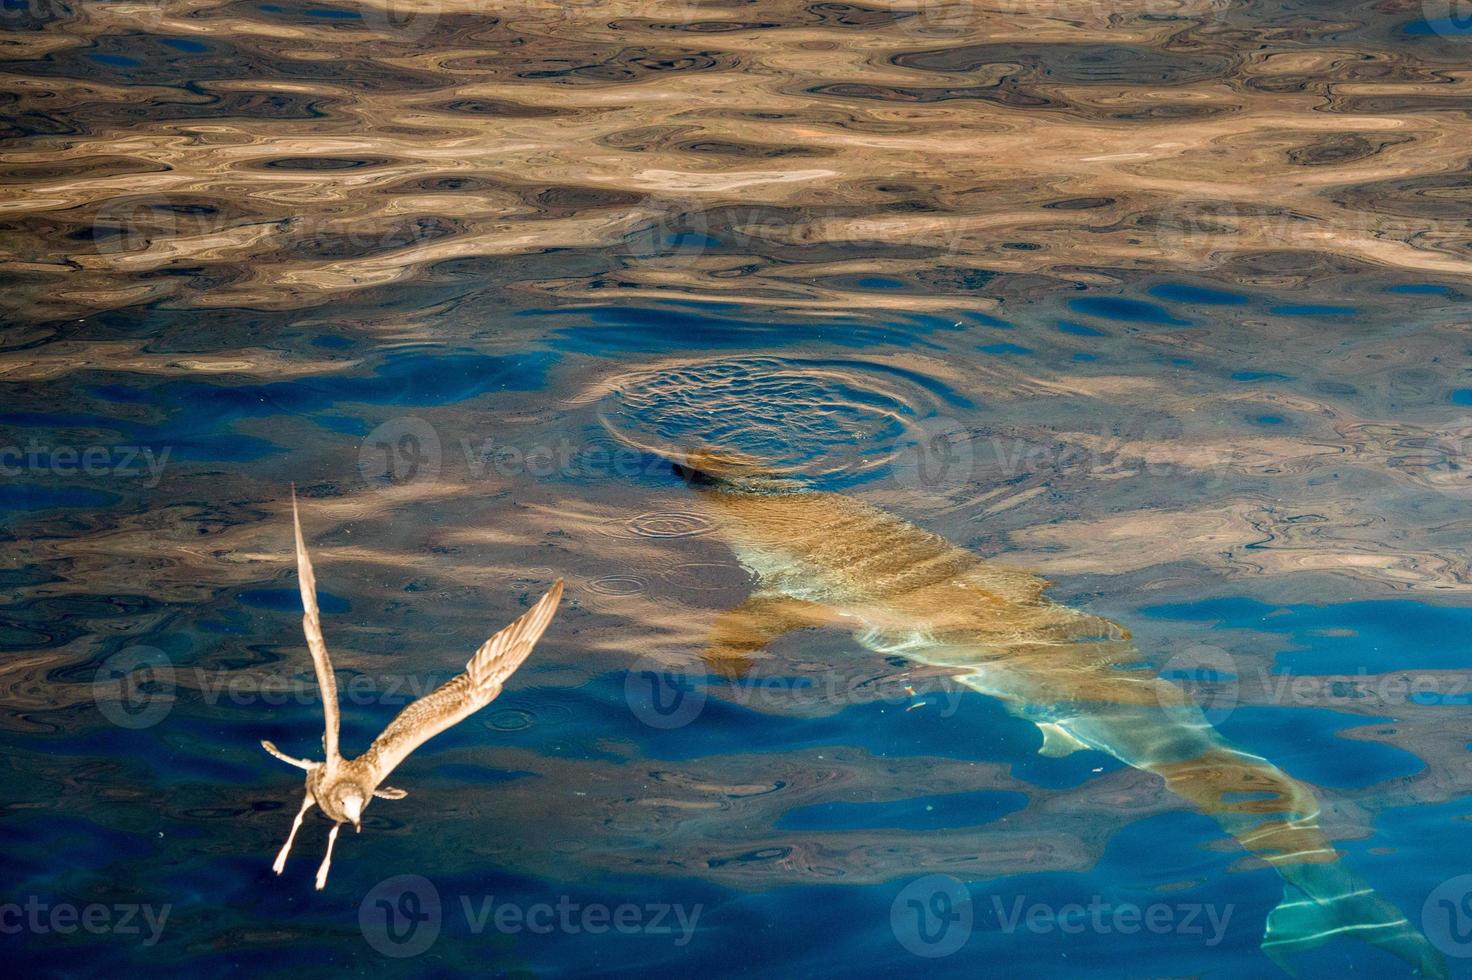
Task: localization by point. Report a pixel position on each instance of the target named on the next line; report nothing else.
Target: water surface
(1162, 300)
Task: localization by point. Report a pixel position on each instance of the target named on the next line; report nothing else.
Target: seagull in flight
(342, 787)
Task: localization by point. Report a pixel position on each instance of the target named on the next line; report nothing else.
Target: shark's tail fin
(1326, 900)
(1269, 812)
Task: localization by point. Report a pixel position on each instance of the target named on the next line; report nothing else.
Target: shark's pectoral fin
(1057, 742)
(748, 628)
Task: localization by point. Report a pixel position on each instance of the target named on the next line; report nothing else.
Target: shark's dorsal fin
(1057, 742)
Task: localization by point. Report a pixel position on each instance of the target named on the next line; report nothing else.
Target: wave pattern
(1165, 299)
(213, 154)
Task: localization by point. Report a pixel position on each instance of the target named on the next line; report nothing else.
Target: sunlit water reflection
(1162, 300)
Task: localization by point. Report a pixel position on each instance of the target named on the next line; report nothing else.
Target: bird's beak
(354, 811)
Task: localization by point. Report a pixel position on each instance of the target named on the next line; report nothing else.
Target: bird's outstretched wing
(463, 695)
(312, 626)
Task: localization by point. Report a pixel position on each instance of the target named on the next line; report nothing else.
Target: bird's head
(350, 801)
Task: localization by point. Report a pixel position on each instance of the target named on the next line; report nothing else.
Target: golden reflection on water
(298, 160)
(423, 171)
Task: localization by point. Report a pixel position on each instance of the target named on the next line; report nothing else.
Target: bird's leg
(299, 763)
(389, 793)
(327, 858)
(295, 826)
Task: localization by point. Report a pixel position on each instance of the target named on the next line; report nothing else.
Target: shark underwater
(825, 559)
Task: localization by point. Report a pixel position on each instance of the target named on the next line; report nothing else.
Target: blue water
(1165, 306)
(189, 811)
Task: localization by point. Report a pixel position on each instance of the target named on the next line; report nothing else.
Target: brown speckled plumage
(342, 787)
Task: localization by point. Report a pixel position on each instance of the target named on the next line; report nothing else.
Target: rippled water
(1161, 299)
